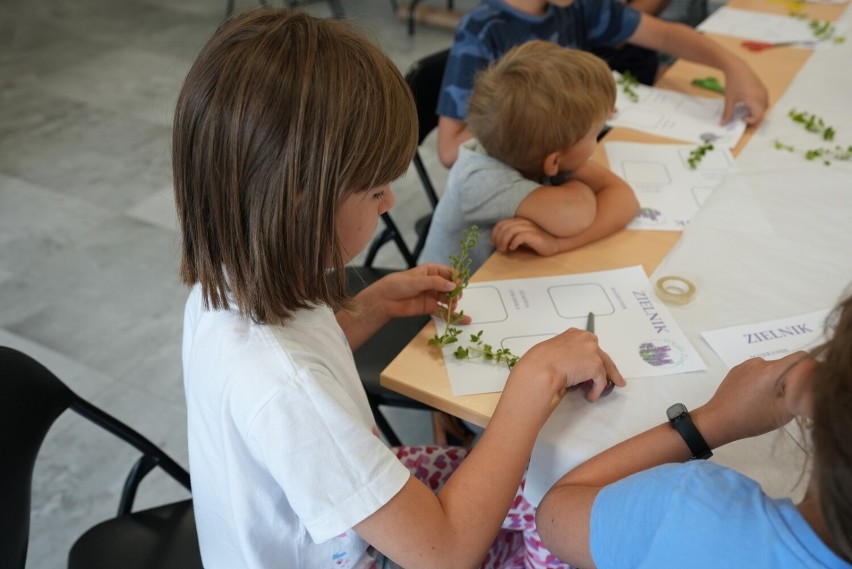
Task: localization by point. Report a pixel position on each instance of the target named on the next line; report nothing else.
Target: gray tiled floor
(88, 247)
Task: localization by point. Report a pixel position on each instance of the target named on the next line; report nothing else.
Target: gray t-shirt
(481, 191)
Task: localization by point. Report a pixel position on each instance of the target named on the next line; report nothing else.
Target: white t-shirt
(283, 453)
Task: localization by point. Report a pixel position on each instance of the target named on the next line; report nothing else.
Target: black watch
(682, 422)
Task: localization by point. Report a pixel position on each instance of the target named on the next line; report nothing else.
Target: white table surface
(774, 241)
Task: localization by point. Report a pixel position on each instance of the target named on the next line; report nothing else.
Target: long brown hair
(832, 427)
(280, 118)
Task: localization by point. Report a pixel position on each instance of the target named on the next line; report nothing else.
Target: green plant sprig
(813, 123)
(460, 265)
(628, 84)
(822, 30)
(825, 153)
(478, 348)
(698, 154)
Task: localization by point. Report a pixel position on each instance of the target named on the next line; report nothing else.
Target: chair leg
(337, 9)
(412, 9)
(391, 232)
(427, 182)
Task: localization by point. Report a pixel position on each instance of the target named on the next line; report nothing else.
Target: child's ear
(551, 164)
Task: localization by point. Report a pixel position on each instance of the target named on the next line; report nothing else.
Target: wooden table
(419, 371)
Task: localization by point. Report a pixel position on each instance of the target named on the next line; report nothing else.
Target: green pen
(590, 327)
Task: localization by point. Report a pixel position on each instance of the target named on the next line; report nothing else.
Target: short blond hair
(281, 118)
(537, 99)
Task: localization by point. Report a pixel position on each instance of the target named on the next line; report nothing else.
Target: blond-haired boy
(526, 179)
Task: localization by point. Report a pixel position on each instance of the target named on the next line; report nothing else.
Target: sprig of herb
(812, 123)
(781, 146)
(460, 265)
(478, 348)
(628, 84)
(815, 124)
(822, 30)
(698, 154)
(825, 153)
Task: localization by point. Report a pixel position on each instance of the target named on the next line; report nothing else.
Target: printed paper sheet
(674, 115)
(632, 324)
(668, 190)
(760, 26)
(769, 340)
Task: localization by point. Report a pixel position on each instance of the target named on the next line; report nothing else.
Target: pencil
(590, 322)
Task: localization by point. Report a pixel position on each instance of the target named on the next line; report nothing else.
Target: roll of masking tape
(673, 289)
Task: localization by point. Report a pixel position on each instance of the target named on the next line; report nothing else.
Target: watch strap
(698, 447)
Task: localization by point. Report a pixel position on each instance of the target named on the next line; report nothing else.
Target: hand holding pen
(590, 327)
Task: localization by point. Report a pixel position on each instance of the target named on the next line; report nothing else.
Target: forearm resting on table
(564, 515)
(616, 207)
(563, 211)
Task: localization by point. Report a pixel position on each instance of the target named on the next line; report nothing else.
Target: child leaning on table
(667, 510)
(527, 180)
(491, 29)
(287, 132)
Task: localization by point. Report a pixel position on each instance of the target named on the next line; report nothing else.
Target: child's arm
(755, 397)
(456, 527)
(452, 133)
(680, 40)
(564, 220)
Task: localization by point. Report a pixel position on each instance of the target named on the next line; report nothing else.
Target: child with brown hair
(287, 133)
(526, 179)
(666, 507)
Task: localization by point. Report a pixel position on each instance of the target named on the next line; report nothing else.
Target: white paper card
(769, 340)
(669, 191)
(763, 27)
(633, 326)
(674, 115)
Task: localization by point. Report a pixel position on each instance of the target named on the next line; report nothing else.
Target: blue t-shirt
(491, 29)
(701, 515)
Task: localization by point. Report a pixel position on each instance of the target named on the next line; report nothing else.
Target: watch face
(676, 411)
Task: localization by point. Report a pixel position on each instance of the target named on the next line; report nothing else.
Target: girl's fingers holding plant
(435, 269)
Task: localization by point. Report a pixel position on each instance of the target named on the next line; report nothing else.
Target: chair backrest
(424, 78)
(32, 399)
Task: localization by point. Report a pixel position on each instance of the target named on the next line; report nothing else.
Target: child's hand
(510, 234)
(759, 396)
(743, 86)
(421, 290)
(571, 358)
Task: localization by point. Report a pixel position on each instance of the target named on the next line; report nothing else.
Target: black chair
(159, 538)
(424, 78)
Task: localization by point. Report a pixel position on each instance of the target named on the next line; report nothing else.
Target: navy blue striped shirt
(493, 28)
